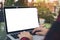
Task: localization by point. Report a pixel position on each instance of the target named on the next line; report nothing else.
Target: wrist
(24, 38)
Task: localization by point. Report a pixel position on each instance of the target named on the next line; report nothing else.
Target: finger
(25, 32)
(18, 35)
(21, 33)
(39, 33)
(34, 30)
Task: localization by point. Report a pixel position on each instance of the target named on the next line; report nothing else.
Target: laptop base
(35, 37)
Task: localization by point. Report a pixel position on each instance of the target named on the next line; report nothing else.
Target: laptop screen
(21, 18)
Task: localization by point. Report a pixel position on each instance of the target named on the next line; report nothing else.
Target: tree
(12, 3)
(45, 13)
(9, 2)
(20, 3)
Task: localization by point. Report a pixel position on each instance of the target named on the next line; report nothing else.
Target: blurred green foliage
(12, 3)
(45, 13)
(9, 2)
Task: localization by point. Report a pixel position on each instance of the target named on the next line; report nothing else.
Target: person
(52, 34)
(26, 35)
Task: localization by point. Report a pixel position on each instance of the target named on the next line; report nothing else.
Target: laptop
(20, 19)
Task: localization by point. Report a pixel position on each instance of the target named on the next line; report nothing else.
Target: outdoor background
(47, 9)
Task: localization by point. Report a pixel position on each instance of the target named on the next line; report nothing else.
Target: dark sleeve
(54, 32)
(24, 38)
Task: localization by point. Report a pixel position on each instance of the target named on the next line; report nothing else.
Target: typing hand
(25, 34)
(43, 30)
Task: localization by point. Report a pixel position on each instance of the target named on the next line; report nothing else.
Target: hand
(43, 30)
(25, 34)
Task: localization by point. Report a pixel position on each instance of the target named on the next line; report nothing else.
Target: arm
(54, 32)
(24, 38)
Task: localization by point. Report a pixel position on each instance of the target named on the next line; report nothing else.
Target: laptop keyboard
(15, 35)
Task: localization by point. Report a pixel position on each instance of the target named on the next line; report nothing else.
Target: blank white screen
(21, 19)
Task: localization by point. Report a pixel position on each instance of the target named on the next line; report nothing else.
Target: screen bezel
(6, 21)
